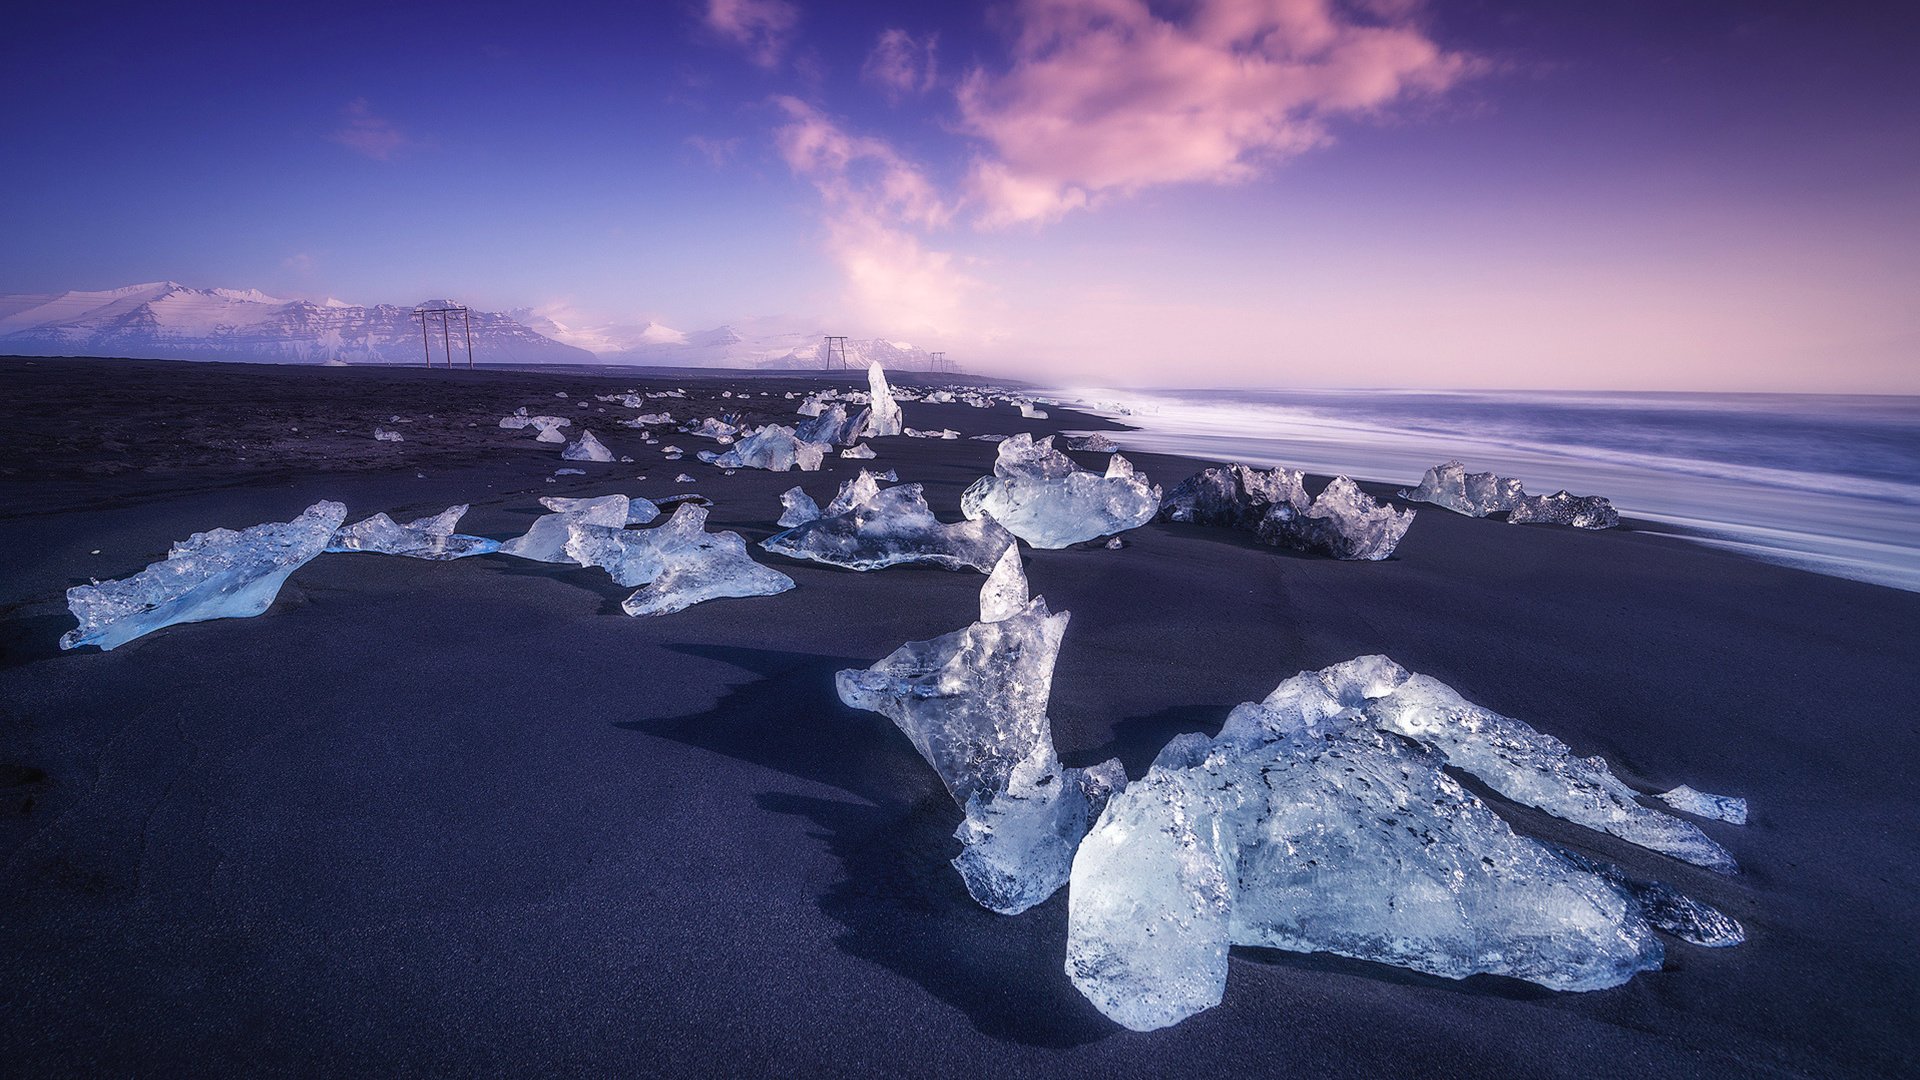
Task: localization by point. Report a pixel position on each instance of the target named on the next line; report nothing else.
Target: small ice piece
(680, 562)
(1095, 442)
(568, 472)
(862, 452)
(546, 539)
(974, 704)
(884, 418)
(1724, 807)
(867, 528)
(1452, 487)
(218, 574)
(639, 511)
(550, 435)
(937, 433)
(833, 427)
(1027, 410)
(683, 478)
(1039, 494)
(586, 448)
(424, 538)
(1561, 508)
(713, 429)
(383, 435)
(559, 393)
(1343, 522)
(1325, 839)
(1237, 496)
(799, 508)
(1115, 544)
(671, 452)
(939, 397)
(518, 420)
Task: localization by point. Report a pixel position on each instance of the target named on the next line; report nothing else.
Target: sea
(1826, 483)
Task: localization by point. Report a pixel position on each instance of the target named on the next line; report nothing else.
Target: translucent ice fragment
(1724, 807)
(1095, 442)
(546, 539)
(866, 528)
(425, 538)
(383, 435)
(1039, 494)
(680, 563)
(1452, 487)
(586, 448)
(219, 574)
(833, 427)
(1343, 522)
(885, 417)
(799, 508)
(858, 453)
(1560, 508)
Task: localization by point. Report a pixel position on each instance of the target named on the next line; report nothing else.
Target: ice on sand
(1343, 522)
(1452, 487)
(424, 538)
(885, 417)
(586, 448)
(1039, 494)
(833, 427)
(1561, 508)
(1236, 495)
(546, 539)
(680, 563)
(219, 574)
(1322, 820)
(974, 704)
(774, 448)
(866, 527)
(1724, 807)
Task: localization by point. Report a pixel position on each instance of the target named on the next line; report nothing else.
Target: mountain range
(167, 320)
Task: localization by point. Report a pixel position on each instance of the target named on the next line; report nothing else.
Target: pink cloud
(875, 202)
(369, 134)
(901, 65)
(763, 28)
(1108, 97)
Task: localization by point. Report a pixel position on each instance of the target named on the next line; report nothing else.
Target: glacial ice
(1561, 508)
(833, 427)
(863, 452)
(885, 418)
(799, 508)
(936, 433)
(424, 538)
(1039, 494)
(774, 448)
(381, 434)
(1028, 410)
(1452, 487)
(1343, 522)
(550, 435)
(546, 539)
(711, 428)
(1723, 807)
(679, 563)
(1237, 496)
(974, 704)
(869, 528)
(586, 448)
(218, 574)
(1095, 442)
(1322, 819)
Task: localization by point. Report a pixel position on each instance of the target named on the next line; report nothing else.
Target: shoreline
(470, 817)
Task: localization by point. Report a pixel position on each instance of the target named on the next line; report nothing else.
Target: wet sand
(470, 818)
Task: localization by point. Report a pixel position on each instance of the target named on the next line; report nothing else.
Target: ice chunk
(424, 538)
(383, 435)
(1666, 907)
(1095, 442)
(1039, 494)
(833, 427)
(639, 511)
(974, 704)
(219, 574)
(1560, 508)
(866, 528)
(774, 448)
(518, 420)
(859, 453)
(937, 433)
(1237, 496)
(799, 508)
(1451, 486)
(683, 478)
(1005, 593)
(884, 418)
(1343, 522)
(680, 563)
(546, 539)
(1347, 841)
(586, 448)
(713, 429)
(1724, 807)
(1027, 410)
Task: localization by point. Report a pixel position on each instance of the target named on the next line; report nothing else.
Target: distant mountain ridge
(168, 320)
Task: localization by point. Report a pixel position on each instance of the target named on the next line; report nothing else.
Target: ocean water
(1825, 483)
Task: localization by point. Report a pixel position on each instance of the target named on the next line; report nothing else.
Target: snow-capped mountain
(167, 320)
(769, 342)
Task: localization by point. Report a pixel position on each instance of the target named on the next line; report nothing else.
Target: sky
(1638, 194)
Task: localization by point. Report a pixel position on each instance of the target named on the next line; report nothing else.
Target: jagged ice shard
(885, 417)
(586, 448)
(546, 539)
(1726, 808)
(974, 703)
(1311, 824)
(219, 574)
(774, 448)
(1561, 508)
(833, 427)
(1237, 495)
(680, 563)
(869, 528)
(1452, 487)
(1038, 494)
(424, 538)
(1343, 522)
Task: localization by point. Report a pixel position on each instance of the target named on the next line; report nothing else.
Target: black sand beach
(469, 818)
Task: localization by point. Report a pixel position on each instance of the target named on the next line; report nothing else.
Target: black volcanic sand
(469, 818)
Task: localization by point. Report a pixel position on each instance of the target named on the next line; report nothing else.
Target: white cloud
(902, 65)
(763, 28)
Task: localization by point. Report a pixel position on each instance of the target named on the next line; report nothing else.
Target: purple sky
(1634, 194)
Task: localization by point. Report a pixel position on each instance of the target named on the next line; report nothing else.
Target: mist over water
(1825, 483)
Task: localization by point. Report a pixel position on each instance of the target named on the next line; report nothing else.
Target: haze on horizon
(1448, 194)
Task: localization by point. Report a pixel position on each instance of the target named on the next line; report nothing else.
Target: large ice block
(1343, 522)
(1452, 487)
(1039, 494)
(218, 574)
(885, 417)
(833, 427)
(679, 563)
(1237, 496)
(869, 528)
(1561, 508)
(546, 539)
(774, 448)
(424, 538)
(974, 704)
